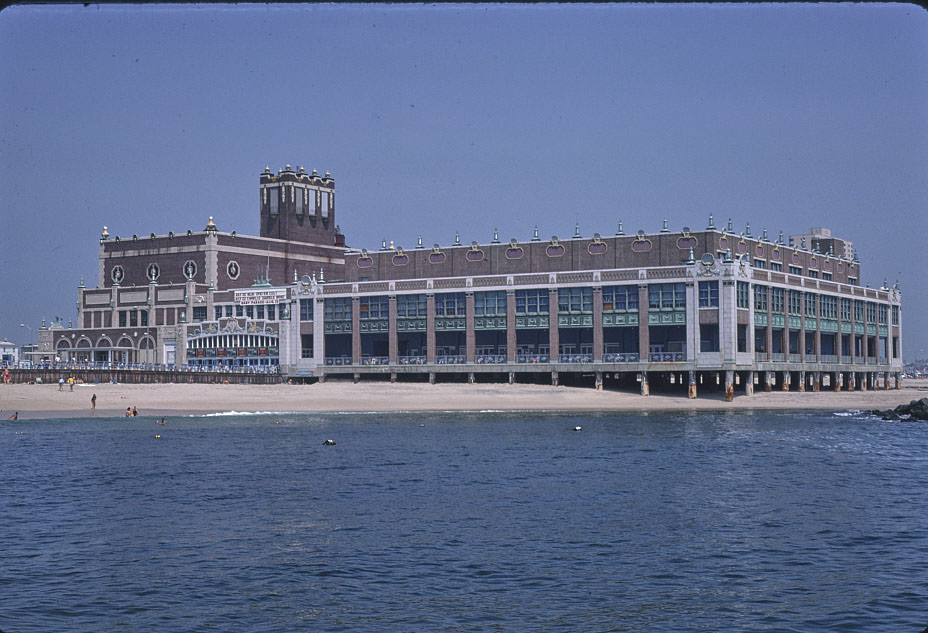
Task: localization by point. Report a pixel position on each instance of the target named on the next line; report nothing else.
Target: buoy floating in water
(329, 443)
(578, 428)
(157, 437)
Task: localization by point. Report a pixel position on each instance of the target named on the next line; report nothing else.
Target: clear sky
(433, 119)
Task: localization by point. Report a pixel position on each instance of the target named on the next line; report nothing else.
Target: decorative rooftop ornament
(419, 242)
(692, 258)
(577, 229)
(803, 244)
(457, 238)
(620, 231)
(711, 226)
(664, 228)
(729, 228)
(496, 236)
(780, 238)
(383, 245)
(764, 235)
(747, 230)
(535, 237)
(105, 235)
(210, 226)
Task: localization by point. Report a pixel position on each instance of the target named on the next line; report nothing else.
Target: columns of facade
(318, 330)
(785, 385)
(769, 378)
(692, 385)
(729, 385)
(430, 331)
(356, 330)
(554, 340)
(802, 327)
(802, 380)
(510, 326)
(769, 329)
(838, 377)
(470, 335)
(853, 353)
(392, 338)
(852, 381)
(749, 383)
(598, 326)
(839, 349)
(645, 390)
(598, 380)
(644, 332)
(816, 381)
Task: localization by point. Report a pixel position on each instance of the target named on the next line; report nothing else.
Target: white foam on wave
(231, 413)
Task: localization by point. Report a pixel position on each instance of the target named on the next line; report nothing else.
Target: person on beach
(60, 383)
(15, 415)
(128, 412)
(93, 402)
(71, 383)
(135, 412)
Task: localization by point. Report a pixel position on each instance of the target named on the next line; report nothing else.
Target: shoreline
(35, 402)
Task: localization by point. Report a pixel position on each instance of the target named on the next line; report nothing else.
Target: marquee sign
(260, 297)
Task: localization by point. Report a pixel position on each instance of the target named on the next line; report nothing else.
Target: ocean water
(676, 522)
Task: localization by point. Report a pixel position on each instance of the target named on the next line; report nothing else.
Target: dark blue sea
(667, 522)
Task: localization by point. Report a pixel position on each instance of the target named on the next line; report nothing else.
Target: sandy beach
(45, 401)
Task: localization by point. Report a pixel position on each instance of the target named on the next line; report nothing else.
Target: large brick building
(673, 306)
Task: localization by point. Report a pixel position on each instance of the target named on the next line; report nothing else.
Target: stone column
(430, 330)
(598, 327)
(356, 330)
(645, 390)
(729, 385)
(817, 345)
(852, 381)
(864, 380)
(510, 326)
(802, 381)
(769, 331)
(749, 384)
(769, 378)
(598, 381)
(644, 334)
(554, 378)
(470, 335)
(785, 381)
(692, 390)
(817, 381)
(839, 381)
(392, 338)
(554, 339)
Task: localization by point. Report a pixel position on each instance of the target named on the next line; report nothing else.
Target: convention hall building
(693, 308)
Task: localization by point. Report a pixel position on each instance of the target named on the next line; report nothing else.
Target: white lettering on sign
(260, 297)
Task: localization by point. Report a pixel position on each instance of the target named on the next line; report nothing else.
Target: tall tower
(298, 206)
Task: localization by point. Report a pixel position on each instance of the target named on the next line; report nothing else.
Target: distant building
(819, 240)
(673, 306)
(9, 352)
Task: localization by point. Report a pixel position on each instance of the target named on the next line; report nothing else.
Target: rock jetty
(915, 410)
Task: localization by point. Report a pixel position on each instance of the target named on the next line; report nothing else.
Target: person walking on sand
(93, 402)
(71, 383)
(60, 382)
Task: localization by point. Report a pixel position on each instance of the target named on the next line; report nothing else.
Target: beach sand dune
(45, 401)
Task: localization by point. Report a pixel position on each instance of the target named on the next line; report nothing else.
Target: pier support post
(356, 377)
(785, 381)
(692, 384)
(816, 381)
(802, 382)
(864, 380)
(392, 376)
(512, 377)
(839, 380)
(852, 381)
(769, 378)
(598, 381)
(470, 378)
(729, 385)
(749, 384)
(431, 377)
(898, 381)
(554, 378)
(645, 390)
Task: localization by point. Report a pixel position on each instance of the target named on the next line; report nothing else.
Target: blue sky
(434, 119)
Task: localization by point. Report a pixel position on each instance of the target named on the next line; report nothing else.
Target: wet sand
(45, 401)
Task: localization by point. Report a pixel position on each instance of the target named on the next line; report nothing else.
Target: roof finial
(747, 230)
(664, 228)
(419, 242)
(729, 228)
(496, 236)
(457, 238)
(711, 226)
(619, 231)
(535, 237)
(692, 258)
(764, 236)
(577, 229)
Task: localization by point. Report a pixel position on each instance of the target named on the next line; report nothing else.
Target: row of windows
(807, 302)
(266, 312)
(232, 340)
(580, 300)
(134, 318)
